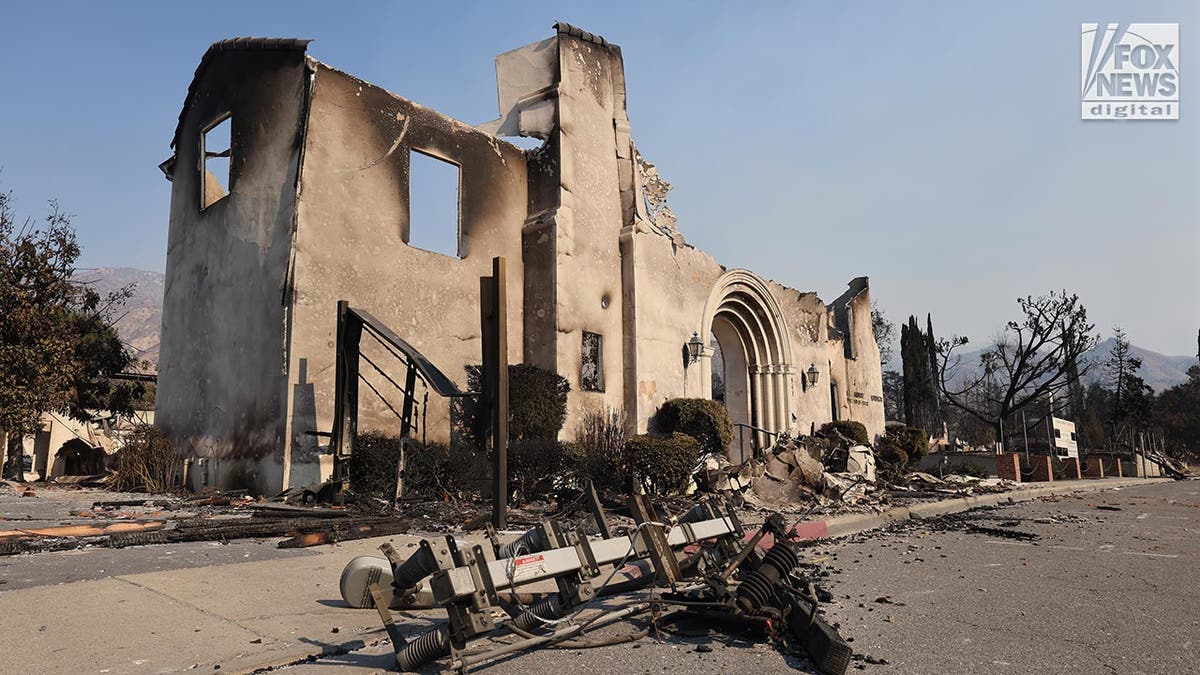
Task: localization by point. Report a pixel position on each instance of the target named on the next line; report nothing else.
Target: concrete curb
(841, 526)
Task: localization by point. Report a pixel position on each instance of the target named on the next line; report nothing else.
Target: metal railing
(756, 446)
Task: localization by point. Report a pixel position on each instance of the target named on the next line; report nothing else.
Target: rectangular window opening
(591, 377)
(433, 204)
(215, 161)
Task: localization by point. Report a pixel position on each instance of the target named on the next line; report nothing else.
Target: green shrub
(598, 453)
(537, 404)
(892, 455)
(967, 469)
(148, 462)
(913, 441)
(855, 431)
(901, 447)
(704, 420)
(662, 465)
(373, 465)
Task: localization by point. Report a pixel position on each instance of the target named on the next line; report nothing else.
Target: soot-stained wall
(319, 212)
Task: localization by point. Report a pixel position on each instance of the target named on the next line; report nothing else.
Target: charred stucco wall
(807, 322)
(221, 383)
(859, 374)
(350, 244)
(671, 284)
(571, 245)
(320, 213)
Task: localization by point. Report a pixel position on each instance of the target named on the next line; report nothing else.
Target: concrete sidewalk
(228, 617)
(239, 617)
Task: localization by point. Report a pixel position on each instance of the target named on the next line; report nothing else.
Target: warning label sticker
(528, 567)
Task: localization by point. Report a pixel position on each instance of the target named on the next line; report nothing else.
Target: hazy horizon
(936, 148)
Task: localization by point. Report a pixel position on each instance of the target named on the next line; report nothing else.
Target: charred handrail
(772, 435)
(430, 373)
(350, 325)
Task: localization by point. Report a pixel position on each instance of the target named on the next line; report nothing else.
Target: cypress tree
(906, 360)
(935, 403)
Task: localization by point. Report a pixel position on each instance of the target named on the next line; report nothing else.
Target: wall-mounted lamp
(695, 348)
(812, 375)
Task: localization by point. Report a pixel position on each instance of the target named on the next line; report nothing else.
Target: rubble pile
(225, 516)
(806, 473)
(820, 475)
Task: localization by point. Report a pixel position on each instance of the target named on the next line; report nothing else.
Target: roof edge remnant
(233, 45)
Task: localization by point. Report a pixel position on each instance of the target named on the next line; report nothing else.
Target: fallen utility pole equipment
(713, 571)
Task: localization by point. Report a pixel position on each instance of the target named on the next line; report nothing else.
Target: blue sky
(934, 146)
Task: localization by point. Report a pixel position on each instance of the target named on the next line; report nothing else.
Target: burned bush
(441, 471)
(535, 466)
(598, 453)
(149, 461)
(373, 464)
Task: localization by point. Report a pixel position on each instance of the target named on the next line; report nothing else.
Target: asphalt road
(1095, 583)
(1097, 591)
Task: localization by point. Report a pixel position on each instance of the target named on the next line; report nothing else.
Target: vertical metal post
(410, 395)
(493, 309)
(345, 400)
(1142, 452)
(500, 409)
(1050, 427)
(1025, 433)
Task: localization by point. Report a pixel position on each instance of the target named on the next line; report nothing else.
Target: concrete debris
(861, 461)
(922, 477)
(794, 473)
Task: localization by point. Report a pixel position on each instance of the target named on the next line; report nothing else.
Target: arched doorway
(77, 458)
(744, 318)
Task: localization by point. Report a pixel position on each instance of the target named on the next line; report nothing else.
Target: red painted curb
(805, 531)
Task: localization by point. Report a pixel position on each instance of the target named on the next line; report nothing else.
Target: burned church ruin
(293, 186)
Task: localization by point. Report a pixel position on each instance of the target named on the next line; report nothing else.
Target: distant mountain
(1158, 370)
(140, 319)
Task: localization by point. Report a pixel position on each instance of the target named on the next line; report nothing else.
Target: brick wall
(1071, 464)
(1041, 469)
(1092, 467)
(1112, 467)
(1008, 466)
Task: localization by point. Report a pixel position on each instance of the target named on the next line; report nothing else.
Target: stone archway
(744, 317)
(77, 458)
